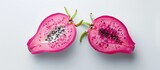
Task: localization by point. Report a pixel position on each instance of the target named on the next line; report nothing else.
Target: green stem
(79, 23)
(75, 13)
(82, 35)
(91, 17)
(67, 11)
(86, 23)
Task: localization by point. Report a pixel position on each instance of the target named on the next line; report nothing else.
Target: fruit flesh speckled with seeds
(109, 35)
(54, 34)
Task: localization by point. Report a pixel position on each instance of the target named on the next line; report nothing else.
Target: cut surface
(54, 34)
(109, 35)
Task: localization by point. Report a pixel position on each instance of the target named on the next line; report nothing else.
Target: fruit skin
(129, 48)
(31, 47)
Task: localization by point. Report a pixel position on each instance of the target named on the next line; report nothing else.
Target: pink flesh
(38, 43)
(108, 45)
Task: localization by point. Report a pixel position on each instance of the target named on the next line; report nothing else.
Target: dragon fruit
(55, 33)
(109, 35)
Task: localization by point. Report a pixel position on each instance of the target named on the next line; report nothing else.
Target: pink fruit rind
(31, 47)
(130, 46)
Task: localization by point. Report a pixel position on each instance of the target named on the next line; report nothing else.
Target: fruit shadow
(118, 57)
(56, 56)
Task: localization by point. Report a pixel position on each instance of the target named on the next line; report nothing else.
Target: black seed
(106, 44)
(46, 39)
(59, 31)
(53, 32)
(48, 36)
(63, 30)
(64, 34)
(59, 28)
(115, 38)
(51, 38)
(103, 22)
(57, 35)
(96, 42)
(55, 28)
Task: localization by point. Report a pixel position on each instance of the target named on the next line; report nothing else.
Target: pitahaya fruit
(109, 35)
(55, 33)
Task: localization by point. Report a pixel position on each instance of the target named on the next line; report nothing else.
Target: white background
(19, 20)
